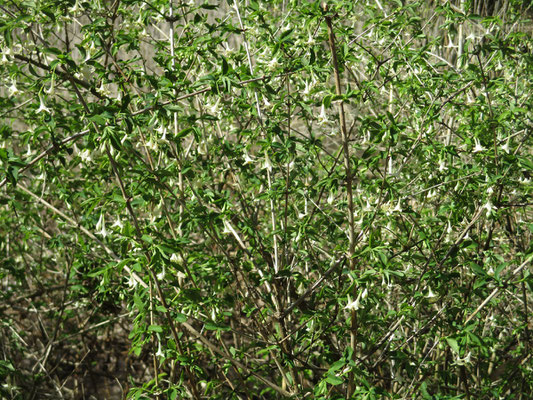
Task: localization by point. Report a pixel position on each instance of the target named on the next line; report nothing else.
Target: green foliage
(193, 204)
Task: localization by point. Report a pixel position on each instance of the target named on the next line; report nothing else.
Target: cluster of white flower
(356, 304)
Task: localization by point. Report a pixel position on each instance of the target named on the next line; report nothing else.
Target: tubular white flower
(356, 304)
(247, 159)
(353, 305)
(13, 90)
(159, 352)
(478, 147)
(85, 156)
(505, 147)
(162, 274)
(100, 226)
(489, 207)
(132, 283)
(323, 118)
(267, 165)
(103, 89)
(42, 106)
(118, 223)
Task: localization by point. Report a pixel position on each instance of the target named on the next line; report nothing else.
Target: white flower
(489, 207)
(331, 197)
(6, 51)
(163, 138)
(310, 40)
(42, 106)
(152, 144)
(100, 226)
(430, 294)
(159, 352)
(202, 148)
(355, 305)
(13, 90)
(214, 108)
(132, 282)
(118, 223)
(52, 89)
(247, 159)
(478, 147)
(227, 229)
(442, 166)
(464, 361)
(323, 118)
(181, 278)
(398, 207)
(450, 45)
(273, 64)
(307, 88)
(505, 147)
(103, 89)
(267, 165)
(75, 8)
(162, 274)
(227, 50)
(176, 258)
(85, 156)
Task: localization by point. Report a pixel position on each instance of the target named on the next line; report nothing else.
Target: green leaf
(453, 344)
(155, 328)
(334, 380)
(184, 132)
(52, 50)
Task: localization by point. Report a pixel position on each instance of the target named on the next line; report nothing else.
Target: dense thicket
(259, 200)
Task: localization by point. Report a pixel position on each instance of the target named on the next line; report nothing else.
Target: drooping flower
(442, 166)
(118, 223)
(356, 305)
(13, 90)
(267, 165)
(505, 147)
(478, 147)
(75, 8)
(489, 207)
(323, 118)
(273, 64)
(162, 274)
(100, 226)
(353, 305)
(398, 207)
(214, 109)
(85, 156)
(42, 106)
(227, 228)
(159, 352)
(247, 158)
(310, 40)
(103, 89)
(132, 282)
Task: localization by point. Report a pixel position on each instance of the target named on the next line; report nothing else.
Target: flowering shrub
(265, 199)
